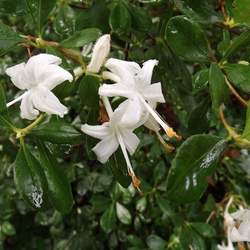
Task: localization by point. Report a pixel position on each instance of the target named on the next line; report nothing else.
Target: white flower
(241, 233)
(134, 83)
(38, 77)
(111, 134)
(224, 247)
(100, 53)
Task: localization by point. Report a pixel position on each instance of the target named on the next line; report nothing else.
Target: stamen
(19, 98)
(168, 147)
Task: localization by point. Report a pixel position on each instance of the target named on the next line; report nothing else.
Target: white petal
(53, 75)
(105, 148)
(27, 108)
(145, 74)
(131, 141)
(129, 114)
(116, 89)
(125, 70)
(100, 53)
(45, 101)
(97, 131)
(106, 75)
(242, 215)
(244, 229)
(236, 236)
(153, 93)
(17, 75)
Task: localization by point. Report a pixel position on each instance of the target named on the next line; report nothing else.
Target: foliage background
(197, 45)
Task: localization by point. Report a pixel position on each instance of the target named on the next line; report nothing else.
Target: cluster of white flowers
(42, 73)
(237, 226)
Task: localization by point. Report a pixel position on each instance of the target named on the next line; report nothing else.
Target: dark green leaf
(8, 38)
(239, 75)
(88, 89)
(164, 205)
(196, 159)
(204, 229)
(59, 190)
(155, 242)
(120, 19)
(12, 7)
(29, 177)
(57, 131)
(81, 38)
(108, 219)
(246, 132)
(218, 89)
(187, 39)
(200, 79)
(8, 229)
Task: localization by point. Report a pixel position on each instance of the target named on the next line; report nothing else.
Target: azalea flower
(134, 83)
(112, 135)
(100, 53)
(38, 77)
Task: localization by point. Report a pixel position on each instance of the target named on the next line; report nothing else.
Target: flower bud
(100, 53)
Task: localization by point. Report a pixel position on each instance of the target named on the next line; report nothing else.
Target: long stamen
(19, 98)
(169, 131)
(136, 182)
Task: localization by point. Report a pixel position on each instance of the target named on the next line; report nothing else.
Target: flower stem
(24, 131)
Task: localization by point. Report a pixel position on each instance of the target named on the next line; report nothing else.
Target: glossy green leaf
(204, 229)
(189, 237)
(195, 160)
(187, 39)
(238, 43)
(59, 190)
(29, 177)
(108, 219)
(120, 19)
(118, 167)
(39, 11)
(8, 38)
(57, 131)
(123, 214)
(88, 91)
(240, 11)
(200, 79)
(155, 242)
(239, 75)
(81, 38)
(218, 89)
(141, 205)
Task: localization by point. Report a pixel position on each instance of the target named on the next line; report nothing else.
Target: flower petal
(244, 229)
(131, 141)
(236, 236)
(100, 53)
(116, 89)
(105, 148)
(145, 74)
(97, 131)
(54, 75)
(153, 93)
(44, 100)
(27, 109)
(17, 75)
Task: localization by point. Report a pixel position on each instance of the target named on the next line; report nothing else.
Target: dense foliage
(54, 194)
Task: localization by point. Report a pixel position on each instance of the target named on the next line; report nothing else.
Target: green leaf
(120, 18)
(164, 205)
(189, 238)
(8, 38)
(200, 79)
(12, 7)
(141, 20)
(246, 132)
(123, 214)
(29, 177)
(196, 159)
(218, 89)
(118, 166)
(187, 39)
(238, 43)
(81, 38)
(204, 229)
(141, 204)
(8, 229)
(239, 75)
(39, 11)
(88, 89)
(108, 219)
(57, 131)
(59, 189)
(155, 242)
(240, 12)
